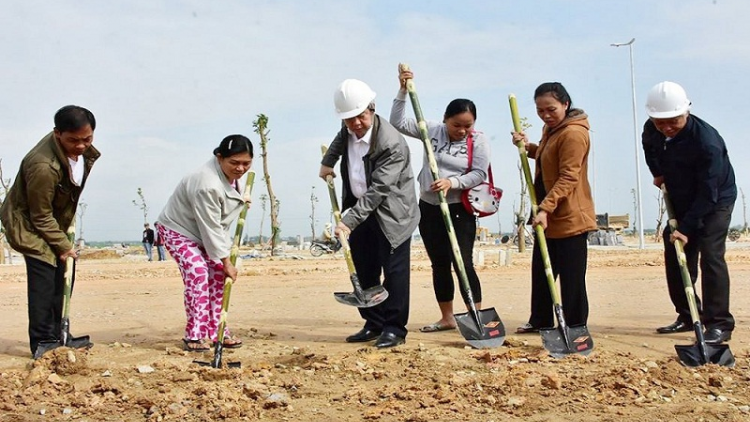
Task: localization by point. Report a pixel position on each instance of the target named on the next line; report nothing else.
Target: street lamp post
(641, 244)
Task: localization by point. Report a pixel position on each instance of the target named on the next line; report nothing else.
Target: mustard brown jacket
(562, 162)
(41, 204)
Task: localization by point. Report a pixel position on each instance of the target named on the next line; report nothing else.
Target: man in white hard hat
(380, 194)
(690, 158)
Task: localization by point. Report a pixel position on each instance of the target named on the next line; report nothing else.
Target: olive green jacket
(41, 204)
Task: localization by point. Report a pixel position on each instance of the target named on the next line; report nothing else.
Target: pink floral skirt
(204, 284)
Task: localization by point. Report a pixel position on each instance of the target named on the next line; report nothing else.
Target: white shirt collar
(365, 139)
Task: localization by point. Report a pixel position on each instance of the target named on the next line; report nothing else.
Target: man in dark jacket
(380, 196)
(690, 158)
(148, 241)
(39, 209)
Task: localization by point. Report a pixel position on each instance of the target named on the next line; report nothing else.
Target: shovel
(481, 328)
(65, 338)
(361, 298)
(701, 352)
(219, 346)
(563, 340)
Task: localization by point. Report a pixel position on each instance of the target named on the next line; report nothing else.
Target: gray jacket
(391, 191)
(452, 158)
(203, 207)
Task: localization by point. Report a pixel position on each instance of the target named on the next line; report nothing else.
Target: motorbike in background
(318, 248)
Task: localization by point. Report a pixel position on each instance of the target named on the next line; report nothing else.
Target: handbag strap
(470, 151)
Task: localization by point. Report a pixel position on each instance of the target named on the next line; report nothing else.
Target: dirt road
(296, 366)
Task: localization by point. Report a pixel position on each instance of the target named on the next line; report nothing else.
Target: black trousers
(45, 285)
(373, 256)
(436, 242)
(707, 247)
(569, 257)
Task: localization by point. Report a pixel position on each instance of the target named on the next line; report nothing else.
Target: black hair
(71, 118)
(557, 90)
(233, 145)
(458, 106)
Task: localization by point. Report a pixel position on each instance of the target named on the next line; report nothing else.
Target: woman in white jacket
(195, 227)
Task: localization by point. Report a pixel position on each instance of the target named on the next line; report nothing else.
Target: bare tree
(313, 200)
(261, 128)
(141, 204)
(263, 202)
(520, 213)
(81, 211)
(745, 229)
(4, 188)
(660, 216)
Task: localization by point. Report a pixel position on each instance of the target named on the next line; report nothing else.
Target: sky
(167, 80)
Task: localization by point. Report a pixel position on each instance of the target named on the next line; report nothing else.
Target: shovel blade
(718, 354)
(231, 365)
(83, 342)
(45, 346)
(554, 341)
(216, 362)
(371, 297)
(490, 335)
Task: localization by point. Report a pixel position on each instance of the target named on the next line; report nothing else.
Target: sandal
(433, 328)
(231, 342)
(527, 328)
(200, 345)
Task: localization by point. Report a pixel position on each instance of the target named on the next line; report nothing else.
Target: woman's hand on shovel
(229, 269)
(520, 137)
(541, 219)
(441, 185)
(403, 76)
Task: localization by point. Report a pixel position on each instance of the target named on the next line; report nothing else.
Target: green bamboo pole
(337, 218)
(68, 286)
(443, 203)
(532, 197)
(682, 261)
(234, 252)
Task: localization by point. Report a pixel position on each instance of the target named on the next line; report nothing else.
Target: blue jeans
(148, 246)
(160, 252)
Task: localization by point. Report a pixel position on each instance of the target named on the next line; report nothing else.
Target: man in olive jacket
(39, 209)
(380, 196)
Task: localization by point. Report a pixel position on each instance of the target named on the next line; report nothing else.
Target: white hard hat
(666, 100)
(352, 98)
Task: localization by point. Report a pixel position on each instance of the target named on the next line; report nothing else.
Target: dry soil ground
(296, 366)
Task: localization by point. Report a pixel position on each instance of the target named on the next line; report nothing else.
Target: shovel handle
(342, 237)
(233, 253)
(687, 281)
(463, 278)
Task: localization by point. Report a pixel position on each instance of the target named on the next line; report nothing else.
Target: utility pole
(744, 213)
(639, 208)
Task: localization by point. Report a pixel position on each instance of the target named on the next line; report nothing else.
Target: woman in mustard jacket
(566, 207)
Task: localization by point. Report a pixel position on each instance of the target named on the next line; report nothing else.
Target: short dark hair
(233, 145)
(557, 90)
(72, 117)
(458, 106)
